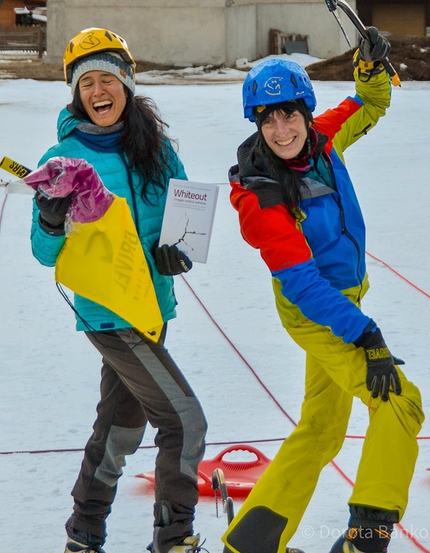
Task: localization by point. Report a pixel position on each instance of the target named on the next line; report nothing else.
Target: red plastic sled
(240, 476)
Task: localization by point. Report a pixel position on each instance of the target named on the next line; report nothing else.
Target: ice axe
(332, 5)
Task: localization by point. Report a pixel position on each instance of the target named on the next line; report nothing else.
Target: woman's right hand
(52, 213)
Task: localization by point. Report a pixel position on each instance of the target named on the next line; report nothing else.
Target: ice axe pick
(332, 6)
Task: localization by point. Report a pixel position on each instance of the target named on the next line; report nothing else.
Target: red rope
(233, 442)
(77, 449)
(238, 352)
(3, 206)
(399, 275)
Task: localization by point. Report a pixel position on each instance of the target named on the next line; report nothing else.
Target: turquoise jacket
(111, 166)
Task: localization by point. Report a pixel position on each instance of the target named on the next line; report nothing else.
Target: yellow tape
(13, 167)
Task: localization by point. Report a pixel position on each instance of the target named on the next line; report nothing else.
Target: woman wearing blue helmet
(297, 205)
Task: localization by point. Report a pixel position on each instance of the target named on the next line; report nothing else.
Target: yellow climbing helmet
(91, 41)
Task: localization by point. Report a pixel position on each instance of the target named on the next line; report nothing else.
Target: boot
(342, 545)
(363, 540)
(73, 546)
(189, 545)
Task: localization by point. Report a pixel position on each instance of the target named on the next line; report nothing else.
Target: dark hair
(143, 139)
(289, 181)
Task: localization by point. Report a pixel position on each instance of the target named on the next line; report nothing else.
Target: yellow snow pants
(335, 373)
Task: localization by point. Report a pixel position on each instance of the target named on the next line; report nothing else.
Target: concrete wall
(196, 31)
(241, 22)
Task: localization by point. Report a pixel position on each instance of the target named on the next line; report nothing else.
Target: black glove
(381, 365)
(52, 213)
(170, 261)
(375, 48)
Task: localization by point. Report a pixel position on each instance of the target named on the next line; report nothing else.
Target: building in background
(202, 32)
(22, 12)
(397, 17)
(198, 32)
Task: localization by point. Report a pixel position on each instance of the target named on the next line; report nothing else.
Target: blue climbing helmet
(275, 81)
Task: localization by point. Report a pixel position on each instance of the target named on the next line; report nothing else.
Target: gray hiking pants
(140, 382)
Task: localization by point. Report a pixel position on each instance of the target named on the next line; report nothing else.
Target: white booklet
(189, 217)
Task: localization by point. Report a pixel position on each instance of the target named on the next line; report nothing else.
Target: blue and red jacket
(317, 259)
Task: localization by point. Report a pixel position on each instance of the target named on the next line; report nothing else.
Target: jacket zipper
(344, 230)
(133, 195)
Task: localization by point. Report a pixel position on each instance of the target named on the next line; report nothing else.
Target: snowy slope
(50, 374)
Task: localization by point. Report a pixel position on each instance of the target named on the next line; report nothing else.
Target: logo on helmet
(89, 41)
(273, 86)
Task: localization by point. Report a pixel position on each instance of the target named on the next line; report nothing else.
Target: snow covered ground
(207, 74)
(50, 374)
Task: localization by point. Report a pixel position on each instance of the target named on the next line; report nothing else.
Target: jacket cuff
(52, 230)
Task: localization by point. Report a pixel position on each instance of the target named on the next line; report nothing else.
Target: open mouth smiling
(101, 107)
(285, 142)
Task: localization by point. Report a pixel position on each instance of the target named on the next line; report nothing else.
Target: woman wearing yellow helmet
(123, 137)
(91, 41)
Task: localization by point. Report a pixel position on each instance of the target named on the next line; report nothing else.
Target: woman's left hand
(170, 261)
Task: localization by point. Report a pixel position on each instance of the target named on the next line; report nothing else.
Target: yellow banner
(104, 262)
